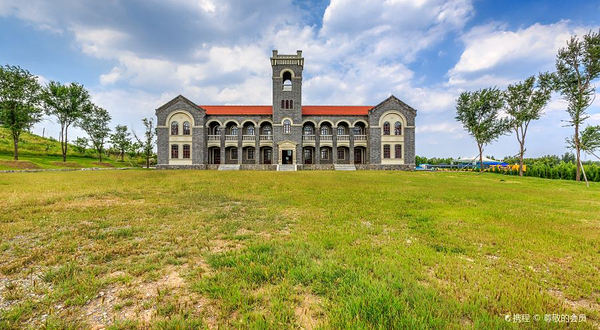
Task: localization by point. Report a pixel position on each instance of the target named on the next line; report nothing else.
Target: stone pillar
(334, 156)
(240, 146)
(275, 154)
(222, 138)
(317, 145)
(351, 146)
(257, 149)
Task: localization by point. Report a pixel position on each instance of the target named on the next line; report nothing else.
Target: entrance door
(357, 156)
(308, 156)
(267, 156)
(216, 156)
(287, 157)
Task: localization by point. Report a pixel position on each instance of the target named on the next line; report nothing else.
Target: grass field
(36, 152)
(364, 250)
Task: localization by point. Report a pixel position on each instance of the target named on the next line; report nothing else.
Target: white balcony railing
(308, 137)
(326, 137)
(360, 138)
(231, 137)
(249, 137)
(214, 138)
(343, 137)
(266, 137)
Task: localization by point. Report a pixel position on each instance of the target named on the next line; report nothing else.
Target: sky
(133, 56)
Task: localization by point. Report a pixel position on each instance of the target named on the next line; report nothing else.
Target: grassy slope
(37, 152)
(263, 249)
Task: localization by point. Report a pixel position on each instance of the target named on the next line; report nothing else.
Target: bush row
(563, 171)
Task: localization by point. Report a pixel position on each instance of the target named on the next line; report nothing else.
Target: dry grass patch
(19, 164)
(67, 164)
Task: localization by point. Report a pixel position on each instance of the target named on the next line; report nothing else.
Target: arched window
(234, 130)
(287, 104)
(386, 128)
(308, 130)
(291, 104)
(287, 126)
(325, 130)
(282, 104)
(358, 130)
(174, 151)
(386, 151)
(341, 130)
(174, 128)
(287, 81)
(267, 130)
(186, 128)
(397, 128)
(186, 151)
(217, 130)
(398, 151)
(251, 130)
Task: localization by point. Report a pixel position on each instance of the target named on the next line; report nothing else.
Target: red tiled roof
(331, 110)
(336, 110)
(238, 109)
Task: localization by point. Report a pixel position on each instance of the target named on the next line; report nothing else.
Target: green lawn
(333, 250)
(36, 152)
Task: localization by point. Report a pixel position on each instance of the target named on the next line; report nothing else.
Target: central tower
(287, 86)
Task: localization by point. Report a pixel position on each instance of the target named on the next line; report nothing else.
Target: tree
(478, 112)
(590, 140)
(94, 122)
(81, 144)
(68, 103)
(524, 102)
(577, 66)
(147, 143)
(19, 102)
(121, 140)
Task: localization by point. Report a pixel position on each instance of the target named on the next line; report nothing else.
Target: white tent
(475, 159)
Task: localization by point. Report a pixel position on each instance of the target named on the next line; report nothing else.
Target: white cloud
(492, 46)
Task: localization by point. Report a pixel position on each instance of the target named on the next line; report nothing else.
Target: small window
(174, 128)
(267, 130)
(397, 128)
(282, 104)
(186, 151)
(287, 104)
(325, 130)
(251, 130)
(186, 128)
(174, 151)
(287, 126)
(287, 81)
(291, 104)
(234, 153)
(341, 153)
(386, 128)
(398, 151)
(308, 130)
(358, 130)
(386, 151)
(341, 130)
(324, 153)
(250, 153)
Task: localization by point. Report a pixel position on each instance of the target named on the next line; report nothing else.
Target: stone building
(286, 134)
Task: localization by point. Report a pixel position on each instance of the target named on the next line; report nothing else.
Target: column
(334, 155)
(240, 146)
(317, 145)
(257, 147)
(351, 146)
(222, 138)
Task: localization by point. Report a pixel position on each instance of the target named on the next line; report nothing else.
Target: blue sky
(136, 55)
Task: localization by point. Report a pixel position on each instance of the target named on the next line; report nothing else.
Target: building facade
(286, 132)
